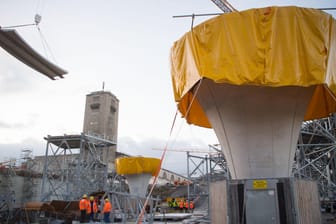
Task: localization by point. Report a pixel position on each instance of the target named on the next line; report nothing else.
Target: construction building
(101, 119)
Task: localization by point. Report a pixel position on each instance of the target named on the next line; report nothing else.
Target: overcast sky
(124, 44)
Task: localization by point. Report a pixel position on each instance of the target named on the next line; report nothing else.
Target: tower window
(95, 106)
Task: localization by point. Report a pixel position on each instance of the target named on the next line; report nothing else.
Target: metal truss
(209, 167)
(127, 207)
(9, 171)
(74, 165)
(7, 196)
(202, 170)
(315, 155)
(218, 165)
(26, 171)
(223, 5)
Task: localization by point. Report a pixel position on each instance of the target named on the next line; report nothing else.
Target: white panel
(257, 127)
(138, 183)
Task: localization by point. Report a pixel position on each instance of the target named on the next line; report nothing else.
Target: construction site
(32, 192)
(274, 117)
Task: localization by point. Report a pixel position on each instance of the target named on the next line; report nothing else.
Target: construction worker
(191, 206)
(106, 210)
(186, 205)
(83, 206)
(170, 203)
(92, 209)
(181, 204)
(174, 204)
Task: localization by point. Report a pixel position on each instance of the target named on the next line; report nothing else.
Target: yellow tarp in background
(274, 46)
(137, 165)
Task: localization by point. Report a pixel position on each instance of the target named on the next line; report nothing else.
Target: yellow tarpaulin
(274, 46)
(137, 165)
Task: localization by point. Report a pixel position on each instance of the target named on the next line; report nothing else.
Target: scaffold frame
(315, 155)
(74, 165)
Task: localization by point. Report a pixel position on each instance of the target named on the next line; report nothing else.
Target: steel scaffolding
(127, 207)
(75, 165)
(26, 171)
(7, 195)
(202, 170)
(315, 155)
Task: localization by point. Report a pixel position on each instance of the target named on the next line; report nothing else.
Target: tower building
(101, 118)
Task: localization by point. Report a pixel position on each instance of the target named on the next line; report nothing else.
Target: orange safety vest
(83, 204)
(181, 204)
(186, 204)
(107, 207)
(95, 207)
(191, 205)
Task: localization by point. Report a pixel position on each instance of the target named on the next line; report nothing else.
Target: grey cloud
(15, 150)
(6, 125)
(30, 121)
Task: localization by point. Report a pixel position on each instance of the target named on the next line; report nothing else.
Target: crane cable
(140, 217)
(37, 21)
(38, 17)
(45, 45)
(39, 6)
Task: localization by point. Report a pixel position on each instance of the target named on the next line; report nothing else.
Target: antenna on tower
(103, 86)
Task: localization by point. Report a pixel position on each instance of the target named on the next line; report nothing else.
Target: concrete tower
(101, 118)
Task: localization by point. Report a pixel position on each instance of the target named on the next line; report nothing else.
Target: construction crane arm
(224, 6)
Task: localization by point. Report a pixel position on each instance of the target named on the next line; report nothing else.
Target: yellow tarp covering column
(275, 46)
(137, 165)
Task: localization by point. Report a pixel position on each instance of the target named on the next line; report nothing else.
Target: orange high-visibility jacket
(181, 204)
(95, 207)
(107, 207)
(83, 204)
(186, 204)
(191, 205)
